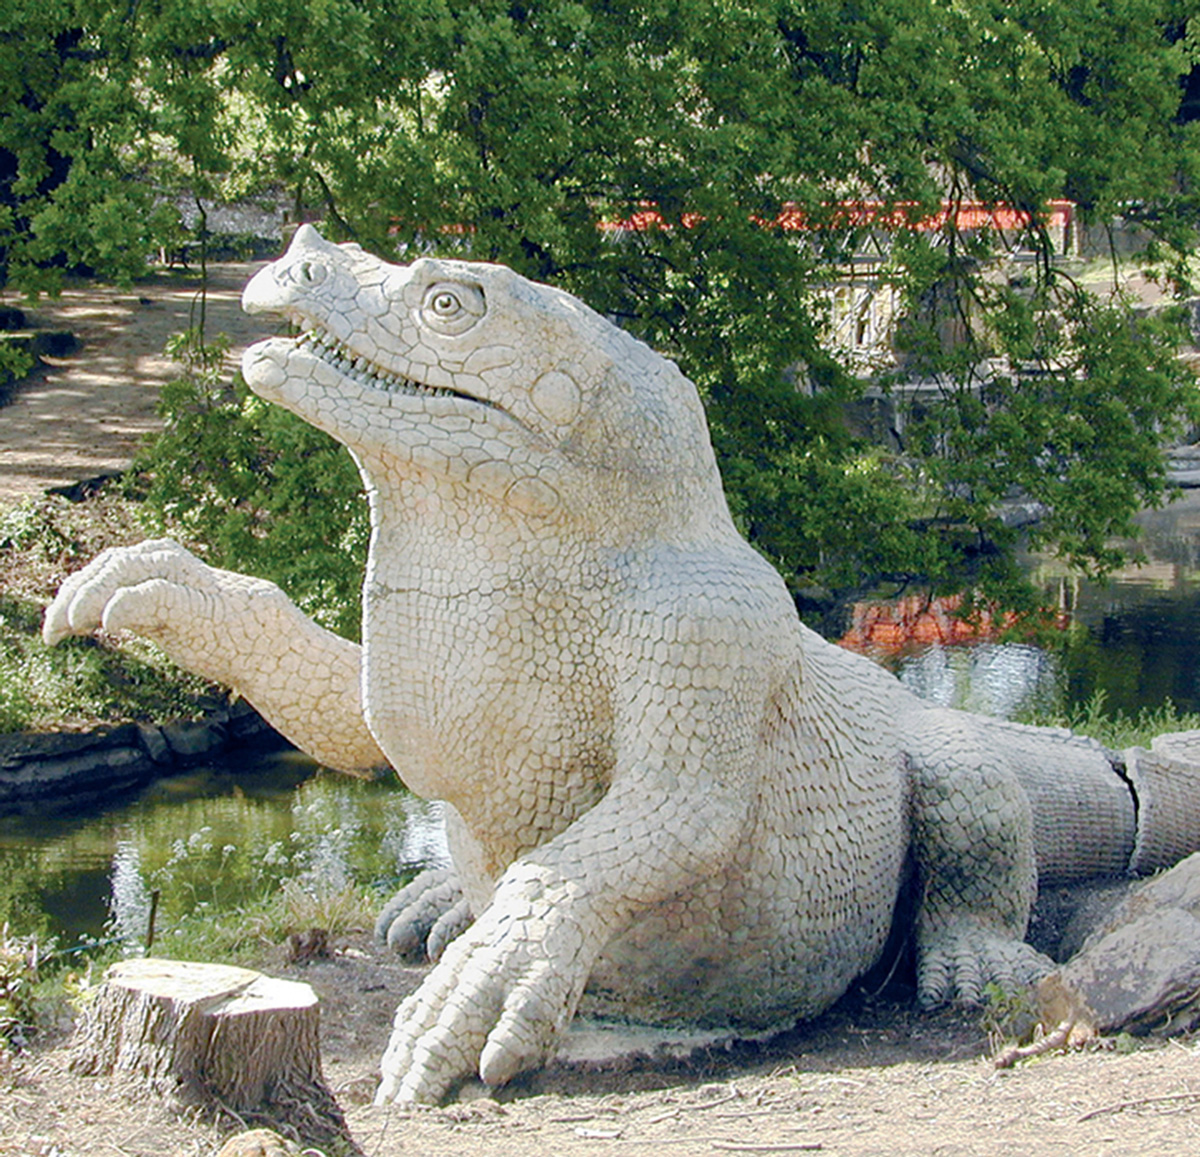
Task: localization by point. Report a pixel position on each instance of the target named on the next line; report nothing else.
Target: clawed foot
(200, 615)
(144, 588)
(959, 961)
(494, 1005)
(422, 918)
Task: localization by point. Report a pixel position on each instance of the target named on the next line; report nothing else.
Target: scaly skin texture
(663, 789)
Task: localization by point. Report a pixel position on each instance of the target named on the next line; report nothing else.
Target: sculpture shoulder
(723, 594)
(712, 577)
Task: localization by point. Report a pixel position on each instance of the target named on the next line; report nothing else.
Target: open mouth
(323, 345)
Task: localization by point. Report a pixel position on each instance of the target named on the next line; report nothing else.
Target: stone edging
(67, 769)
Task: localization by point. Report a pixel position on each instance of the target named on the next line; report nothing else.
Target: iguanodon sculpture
(663, 789)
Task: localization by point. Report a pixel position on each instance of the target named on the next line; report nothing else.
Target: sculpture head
(466, 375)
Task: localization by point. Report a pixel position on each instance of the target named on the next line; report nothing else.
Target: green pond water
(210, 838)
(216, 837)
(1134, 639)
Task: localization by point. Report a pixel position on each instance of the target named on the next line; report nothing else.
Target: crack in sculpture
(666, 798)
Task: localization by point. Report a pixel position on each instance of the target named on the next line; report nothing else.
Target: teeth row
(364, 372)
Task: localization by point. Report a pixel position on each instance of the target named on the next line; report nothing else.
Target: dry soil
(870, 1078)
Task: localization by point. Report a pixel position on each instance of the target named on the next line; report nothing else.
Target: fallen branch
(723, 1143)
(656, 1141)
(579, 1118)
(733, 1096)
(1051, 1042)
(785, 1147)
(1140, 1103)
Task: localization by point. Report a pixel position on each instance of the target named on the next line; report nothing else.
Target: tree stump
(212, 1032)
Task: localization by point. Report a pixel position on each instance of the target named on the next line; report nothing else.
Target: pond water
(211, 837)
(1134, 639)
(218, 836)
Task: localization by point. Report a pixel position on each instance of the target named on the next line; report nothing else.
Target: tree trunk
(211, 1032)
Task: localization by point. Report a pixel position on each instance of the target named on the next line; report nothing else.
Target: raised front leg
(240, 631)
(973, 839)
(509, 985)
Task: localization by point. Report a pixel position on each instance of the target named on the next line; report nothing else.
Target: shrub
(255, 489)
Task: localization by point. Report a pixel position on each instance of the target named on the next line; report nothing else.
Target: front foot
(199, 615)
(421, 919)
(957, 962)
(494, 1005)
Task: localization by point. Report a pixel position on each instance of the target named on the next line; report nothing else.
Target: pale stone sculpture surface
(662, 787)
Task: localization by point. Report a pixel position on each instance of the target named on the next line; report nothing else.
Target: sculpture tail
(1166, 785)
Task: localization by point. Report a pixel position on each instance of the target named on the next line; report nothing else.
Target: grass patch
(80, 682)
(1118, 729)
(15, 363)
(85, 681)
(247, 934)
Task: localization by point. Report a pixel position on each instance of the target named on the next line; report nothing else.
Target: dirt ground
(84, 415)
(869, 1078)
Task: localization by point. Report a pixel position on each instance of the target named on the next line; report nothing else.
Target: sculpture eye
(452, 309)
(309, 274)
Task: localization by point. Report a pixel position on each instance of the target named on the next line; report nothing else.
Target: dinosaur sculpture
(663, 789)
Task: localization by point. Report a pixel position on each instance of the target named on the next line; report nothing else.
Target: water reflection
(1135, 644)
(1135, 638)
(215, 837)
(991, 678)
(129, 899)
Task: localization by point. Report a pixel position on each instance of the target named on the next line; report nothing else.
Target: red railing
(968, 216)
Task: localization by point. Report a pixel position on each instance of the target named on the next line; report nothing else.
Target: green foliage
(15, 363)
(506, 131)
(72, 134)
(18, 975)
(1118, 729)
(258, 490)
(1007, 1015)
(1076, 426)
(81, 680)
